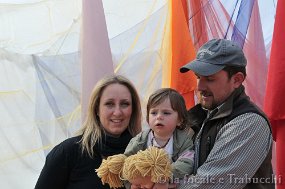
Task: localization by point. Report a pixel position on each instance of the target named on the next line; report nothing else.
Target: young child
(168, 122)
(169, 131)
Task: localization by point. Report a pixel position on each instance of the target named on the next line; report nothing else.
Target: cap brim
(201, 68)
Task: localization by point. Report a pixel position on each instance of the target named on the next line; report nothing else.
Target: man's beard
(208, 106)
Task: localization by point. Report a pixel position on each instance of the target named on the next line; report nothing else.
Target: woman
(113, 118)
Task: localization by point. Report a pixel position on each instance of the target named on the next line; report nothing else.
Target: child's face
(142, 183)
(163, 119)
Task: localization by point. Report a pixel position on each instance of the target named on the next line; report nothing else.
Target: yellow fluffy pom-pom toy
(152, 162)
(109, 170)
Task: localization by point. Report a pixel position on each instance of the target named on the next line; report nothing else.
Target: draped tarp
(39, 84)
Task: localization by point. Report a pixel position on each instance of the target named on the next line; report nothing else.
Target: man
(233, 140)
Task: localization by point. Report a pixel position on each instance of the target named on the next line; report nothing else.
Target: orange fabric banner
(182, 52)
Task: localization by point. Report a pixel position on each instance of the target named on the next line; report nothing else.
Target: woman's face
(115, 109)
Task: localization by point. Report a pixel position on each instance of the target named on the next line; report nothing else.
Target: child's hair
(177, 104)
(152, 162)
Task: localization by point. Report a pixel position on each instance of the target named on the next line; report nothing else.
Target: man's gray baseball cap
(215, 55)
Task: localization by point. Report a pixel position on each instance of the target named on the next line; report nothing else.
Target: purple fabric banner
(242, 22)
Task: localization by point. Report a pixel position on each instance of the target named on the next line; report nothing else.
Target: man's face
(213, 90)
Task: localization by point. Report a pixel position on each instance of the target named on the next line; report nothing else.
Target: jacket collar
(178, 136)
(226, 108)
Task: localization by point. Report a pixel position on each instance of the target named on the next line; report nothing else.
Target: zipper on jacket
(208, 145)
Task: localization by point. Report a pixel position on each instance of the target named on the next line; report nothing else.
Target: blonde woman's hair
(152, 162)
(92, 129)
